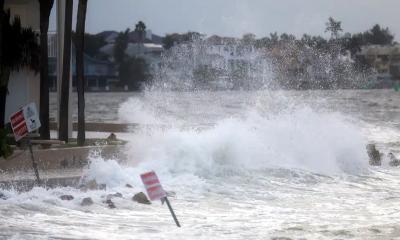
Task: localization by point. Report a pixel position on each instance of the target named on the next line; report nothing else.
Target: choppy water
(243, 165)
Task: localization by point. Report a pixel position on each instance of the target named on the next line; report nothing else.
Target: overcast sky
(236, 17)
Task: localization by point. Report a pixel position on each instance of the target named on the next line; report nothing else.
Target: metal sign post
(155, 191)
(34, 164)
(172, 212)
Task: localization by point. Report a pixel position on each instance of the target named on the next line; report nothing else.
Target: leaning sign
(155, 191)
(24, 121)
(153, 186)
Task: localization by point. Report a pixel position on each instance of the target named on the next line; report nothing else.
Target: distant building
(385, 59)
(100, 75)
(150, 50)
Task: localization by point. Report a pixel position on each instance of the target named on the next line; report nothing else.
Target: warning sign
(24, 121)
(153, 186)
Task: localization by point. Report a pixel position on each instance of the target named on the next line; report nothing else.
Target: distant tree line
(352, 42)
(134, 70)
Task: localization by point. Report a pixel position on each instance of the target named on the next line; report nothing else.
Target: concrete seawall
(101, 127)
(58, 158)
(57, 166)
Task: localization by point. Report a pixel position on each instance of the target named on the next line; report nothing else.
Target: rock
(374, 155)
(141, 198)
(394, 162)
(2, 196)
(128, 185)
(66, 197)
(92, 185)
(87, 201)
(110, 203)
(115, 195)
(112, 137)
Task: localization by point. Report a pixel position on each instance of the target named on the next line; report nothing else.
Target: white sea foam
(303, 139)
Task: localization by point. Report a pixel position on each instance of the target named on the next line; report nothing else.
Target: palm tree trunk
(80, 78)
(4, 77)
(45, 8)
(63, 118)
(3, 91)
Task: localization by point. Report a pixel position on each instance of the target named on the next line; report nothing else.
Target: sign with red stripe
(153, 186)
(18, 125)
(24, 121)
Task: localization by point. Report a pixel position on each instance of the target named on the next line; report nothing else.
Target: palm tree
(80, 78)
(63, 109)
(19, 49)
(45, 8)
(333, 27)
(140, 28)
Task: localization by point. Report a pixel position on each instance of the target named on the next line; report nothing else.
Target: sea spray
(303, 139)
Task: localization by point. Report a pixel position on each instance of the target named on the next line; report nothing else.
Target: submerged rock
(87, 201)
(141, 198)
(2, 196)
(114, 195)
(66, 197)
(92, 185)
(394, 162)
(110, 203)
(374, 155)
(112, 137)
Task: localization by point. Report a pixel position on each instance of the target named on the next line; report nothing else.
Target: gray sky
(236, 17)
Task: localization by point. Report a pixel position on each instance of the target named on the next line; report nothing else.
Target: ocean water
(238, 165)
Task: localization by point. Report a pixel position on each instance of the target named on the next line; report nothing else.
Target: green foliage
(175, 38)
(378, 35)
(93, 43)
(121, 43)
(333, 27)
(19, 47)
(133, 72)
(5, 149)
(140, 28)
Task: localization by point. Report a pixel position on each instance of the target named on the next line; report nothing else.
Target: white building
(24, 86)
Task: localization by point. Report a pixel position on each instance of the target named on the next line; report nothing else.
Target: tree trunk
(80, 76)
(45, 8)
(4, 77)
(1, 30)
(3, 90)
(63, 118)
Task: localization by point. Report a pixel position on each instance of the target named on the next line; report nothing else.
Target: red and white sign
(18, 125)
(24, 121)
(153, 186)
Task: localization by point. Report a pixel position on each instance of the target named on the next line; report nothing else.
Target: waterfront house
(384, 59)
(150, 49)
